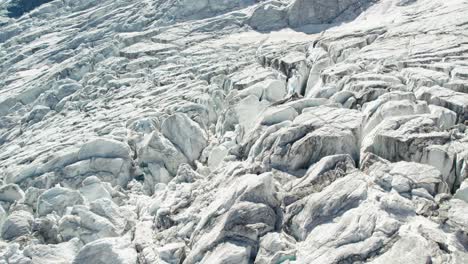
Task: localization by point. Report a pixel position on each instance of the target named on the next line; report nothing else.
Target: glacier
(234, 132)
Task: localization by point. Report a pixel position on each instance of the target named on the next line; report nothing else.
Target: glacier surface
(234, 131)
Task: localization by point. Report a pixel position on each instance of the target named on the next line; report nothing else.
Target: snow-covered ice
(234, 131)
